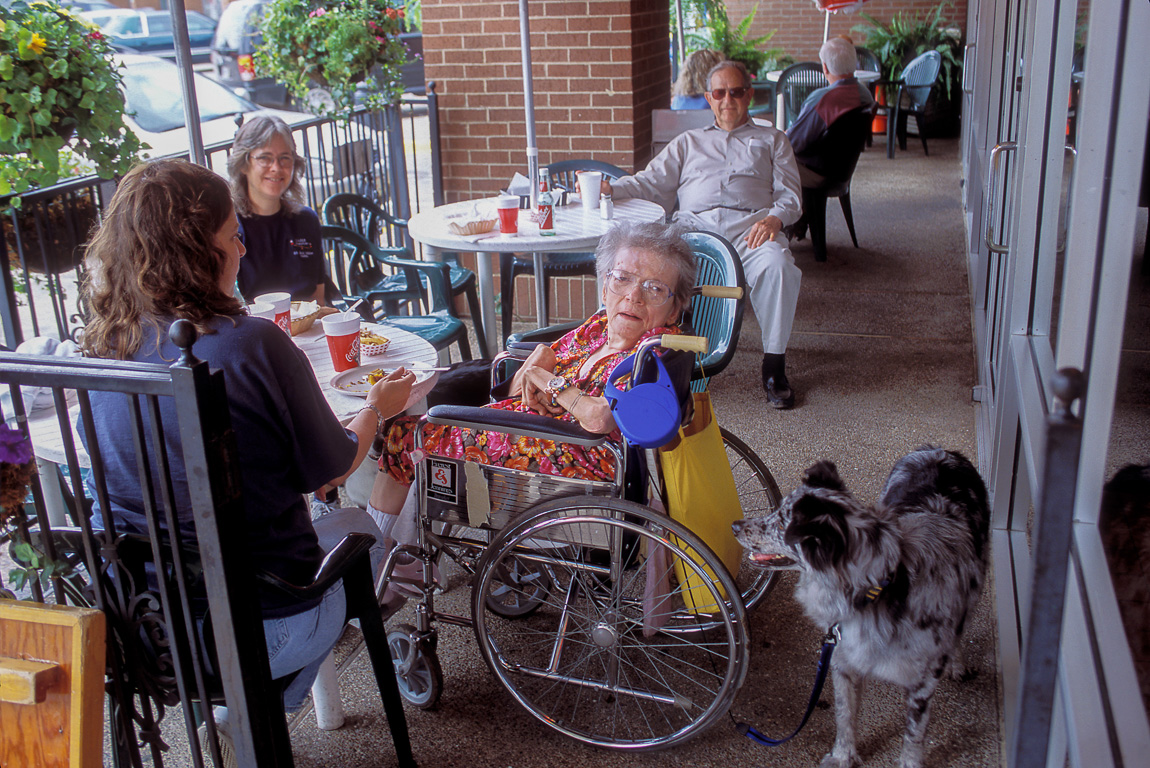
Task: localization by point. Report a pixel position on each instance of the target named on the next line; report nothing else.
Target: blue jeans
(303, 641)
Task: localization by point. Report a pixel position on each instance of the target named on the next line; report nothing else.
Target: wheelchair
(566, 603)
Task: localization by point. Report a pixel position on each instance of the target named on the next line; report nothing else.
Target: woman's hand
(533, 376)
(390, 393)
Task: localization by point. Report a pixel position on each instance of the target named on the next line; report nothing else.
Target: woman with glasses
(648, 273)
(282, 235)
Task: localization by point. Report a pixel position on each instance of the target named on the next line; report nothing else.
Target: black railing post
(433, 134)
(9, 313)
(1053, 527)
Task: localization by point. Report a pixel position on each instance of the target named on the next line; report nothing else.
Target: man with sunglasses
(739, 179)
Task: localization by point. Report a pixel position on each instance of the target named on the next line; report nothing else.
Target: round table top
(862, 75)
(575, 229)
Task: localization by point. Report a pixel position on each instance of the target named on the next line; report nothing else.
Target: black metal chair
(867, 60)
(359, 214)
(368, 267)
(838, 151)
(796, 83)
(915, 84)
(512, 265)
(156, 590)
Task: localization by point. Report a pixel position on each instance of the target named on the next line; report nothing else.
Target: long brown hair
(154, 258)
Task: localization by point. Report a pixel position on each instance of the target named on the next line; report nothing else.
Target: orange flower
(518, 462)
(475, 453)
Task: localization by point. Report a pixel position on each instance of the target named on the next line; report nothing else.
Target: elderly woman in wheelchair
(603, 617)
(648, 274)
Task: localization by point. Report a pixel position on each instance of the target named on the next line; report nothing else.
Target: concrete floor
(882, 360)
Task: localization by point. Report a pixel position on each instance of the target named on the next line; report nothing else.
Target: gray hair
(838, 56)
(663, 239)
(738, 66)
(258, 131)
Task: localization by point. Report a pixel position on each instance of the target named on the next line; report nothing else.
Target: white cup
(263, 309)
(282, 302)
(590, 185)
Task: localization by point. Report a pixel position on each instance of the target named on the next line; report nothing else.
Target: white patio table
(575, 230)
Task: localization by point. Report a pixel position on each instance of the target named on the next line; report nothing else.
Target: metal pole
(529, 101)
(183, 48)
(682, 47)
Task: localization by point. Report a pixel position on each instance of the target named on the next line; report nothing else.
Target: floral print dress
(520, 451)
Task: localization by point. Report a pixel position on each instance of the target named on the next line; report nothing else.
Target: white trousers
(770, 269)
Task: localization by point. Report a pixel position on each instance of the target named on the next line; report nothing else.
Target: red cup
(342, 331)
(508, 208)
(282, 302)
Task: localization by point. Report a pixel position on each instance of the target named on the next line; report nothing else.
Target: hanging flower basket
(52, 232)
(348, 48)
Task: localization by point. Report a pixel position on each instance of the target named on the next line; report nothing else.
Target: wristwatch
(556, 385)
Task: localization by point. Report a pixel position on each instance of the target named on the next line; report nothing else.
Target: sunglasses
(736, 93)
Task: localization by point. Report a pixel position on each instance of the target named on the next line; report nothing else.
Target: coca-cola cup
(263, 309)
(342, 331)
(508, 208)
(282, 303)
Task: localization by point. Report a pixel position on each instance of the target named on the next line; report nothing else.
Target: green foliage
(896, 43)
(732, 42)
(58, 88)
(341, 45)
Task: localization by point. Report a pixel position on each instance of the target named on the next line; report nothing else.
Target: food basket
(372, 343)
(473, 227)
(302, 319)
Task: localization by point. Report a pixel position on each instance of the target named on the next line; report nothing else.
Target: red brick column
(600, 67)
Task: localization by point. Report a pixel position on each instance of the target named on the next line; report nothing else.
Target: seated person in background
(169, 248)
(648, 273)
(824, 106)
(739, 179)
(282, 235)
(691, 84)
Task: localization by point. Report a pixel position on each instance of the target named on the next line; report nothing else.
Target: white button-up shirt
(722, 180)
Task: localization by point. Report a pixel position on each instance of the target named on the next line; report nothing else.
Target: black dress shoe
(779, 393)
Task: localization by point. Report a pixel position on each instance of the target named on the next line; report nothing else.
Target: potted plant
(58, 86)
(733, 43)
(329, 53)
(54, 229)
(897, 42)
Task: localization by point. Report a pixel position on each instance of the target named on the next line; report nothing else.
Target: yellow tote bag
(701, 494)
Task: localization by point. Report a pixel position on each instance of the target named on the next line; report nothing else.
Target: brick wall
(799, 24)
(599, 66)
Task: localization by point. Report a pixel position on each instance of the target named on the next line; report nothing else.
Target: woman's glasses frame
(267, 160)
(656, 293)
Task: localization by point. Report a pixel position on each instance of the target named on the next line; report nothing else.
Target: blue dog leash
(830, 640)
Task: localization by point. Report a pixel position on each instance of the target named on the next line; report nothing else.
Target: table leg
(486, 285)
(540, 291)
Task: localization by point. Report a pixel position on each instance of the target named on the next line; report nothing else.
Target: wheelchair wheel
(758, 495)
(417, 668)
(591, 661)
(520, 587)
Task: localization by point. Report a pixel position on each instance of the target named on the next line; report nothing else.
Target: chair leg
(845, 203)
(816, 214)
(921, 136)
(902, 118)
(361, 600)
(891, 119)
(476, 317)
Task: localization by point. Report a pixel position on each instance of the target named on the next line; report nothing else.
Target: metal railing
(389, 155)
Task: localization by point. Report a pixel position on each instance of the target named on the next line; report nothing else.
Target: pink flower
(318, 12)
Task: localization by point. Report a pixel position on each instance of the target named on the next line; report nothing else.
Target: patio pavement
(882, 360)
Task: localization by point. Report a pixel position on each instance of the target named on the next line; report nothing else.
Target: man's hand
(763, 230)
(605, 187)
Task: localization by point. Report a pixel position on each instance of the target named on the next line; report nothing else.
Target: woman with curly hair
(691, 84)
(282, 235)
(168, 249)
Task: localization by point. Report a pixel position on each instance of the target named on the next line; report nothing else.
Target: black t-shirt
(284, 254)
(289, 443)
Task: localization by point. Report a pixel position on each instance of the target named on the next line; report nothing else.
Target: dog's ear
(818, 527)
(824, 475)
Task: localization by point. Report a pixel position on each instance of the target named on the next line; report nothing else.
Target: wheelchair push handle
(720, 291)
(696, 344)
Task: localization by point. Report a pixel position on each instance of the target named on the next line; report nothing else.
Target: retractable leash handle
(696, 344)
(830, 640)
(720, 291)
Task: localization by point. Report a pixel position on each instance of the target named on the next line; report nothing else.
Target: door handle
(992, 244)
(967, 69)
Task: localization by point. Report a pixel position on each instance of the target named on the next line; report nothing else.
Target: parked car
(340, 158)
(233, 56)
(150, 31)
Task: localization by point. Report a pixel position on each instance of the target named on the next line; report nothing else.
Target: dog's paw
(831, 761)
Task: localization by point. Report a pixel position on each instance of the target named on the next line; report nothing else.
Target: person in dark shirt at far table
(282, 236)
(824, 106)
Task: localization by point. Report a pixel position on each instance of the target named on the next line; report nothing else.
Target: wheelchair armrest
(529, 424)
(333, 568)
(547, 335)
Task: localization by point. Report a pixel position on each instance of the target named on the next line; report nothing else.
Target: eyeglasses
(620, 282)
(736, 93)
(267, 161)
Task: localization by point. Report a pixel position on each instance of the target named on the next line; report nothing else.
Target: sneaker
(227, 745)
(319, 507)
(775, 384)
